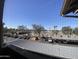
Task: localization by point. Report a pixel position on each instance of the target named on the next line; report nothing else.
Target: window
(37, 20)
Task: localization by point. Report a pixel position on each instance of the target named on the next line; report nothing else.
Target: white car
(50, 40)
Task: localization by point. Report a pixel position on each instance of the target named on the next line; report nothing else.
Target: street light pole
(1, 23)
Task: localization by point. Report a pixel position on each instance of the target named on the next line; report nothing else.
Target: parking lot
(43, 40)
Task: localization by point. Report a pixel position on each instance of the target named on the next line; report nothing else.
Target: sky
(41, 12)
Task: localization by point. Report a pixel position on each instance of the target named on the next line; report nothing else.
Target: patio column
(1, 23)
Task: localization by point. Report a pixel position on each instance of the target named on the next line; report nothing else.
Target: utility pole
(1, 23)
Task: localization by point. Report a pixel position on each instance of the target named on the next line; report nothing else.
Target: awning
(69, 6)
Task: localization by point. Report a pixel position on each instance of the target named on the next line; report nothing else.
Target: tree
(5, 29)
(3, 23)
(55, 27)
(38, 28)
(22, 27)
(75, 31)
(67, 30)
(55, 31)
(11, 30)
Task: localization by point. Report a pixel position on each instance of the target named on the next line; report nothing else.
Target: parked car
(50, 40)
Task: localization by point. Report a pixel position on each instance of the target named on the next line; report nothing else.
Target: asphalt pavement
(70, 52)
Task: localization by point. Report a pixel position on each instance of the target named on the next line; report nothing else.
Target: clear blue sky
(28, 12)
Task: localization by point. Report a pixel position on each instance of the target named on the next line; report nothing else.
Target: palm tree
(55, 27)
(55, 30)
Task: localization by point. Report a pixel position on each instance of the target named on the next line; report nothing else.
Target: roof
(69, 6)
